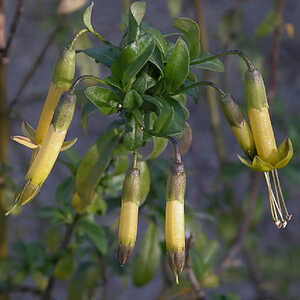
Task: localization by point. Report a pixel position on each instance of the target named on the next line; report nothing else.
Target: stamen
(288, 215)
(275, 205)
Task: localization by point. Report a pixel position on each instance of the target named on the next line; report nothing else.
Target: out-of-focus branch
(239, 241)
(199, 292)
(210, 94)
(64, 244)
(34, 68)
(276, 48)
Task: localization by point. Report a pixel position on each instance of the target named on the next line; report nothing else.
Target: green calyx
(65, 112)
(176, 183)
(255, 91)
(285, 154)
(232, 111)
(132, 187)
(64, 69)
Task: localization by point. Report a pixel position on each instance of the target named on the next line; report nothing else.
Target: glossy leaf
(177, 67)
(105, 55)
(202, 62)
(106, 100)
(132, 100)
(138, 10)
(159, 146)
(191, 32)
(95, 233)
(148, 259)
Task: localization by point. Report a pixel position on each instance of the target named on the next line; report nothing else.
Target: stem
(242, 55)
(239, 241)
(204, 83)
(64, 244)
(177, 154)
(34, 68)
(134, 160)
(200, 295)
(85, 77)
(215, 118)
(81, 32)
(275, 51)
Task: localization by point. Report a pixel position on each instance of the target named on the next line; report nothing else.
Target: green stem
(242, 55)
(204, 83)
(85, 77)
(81, 32)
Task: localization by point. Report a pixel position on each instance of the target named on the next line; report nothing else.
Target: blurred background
(227, 208)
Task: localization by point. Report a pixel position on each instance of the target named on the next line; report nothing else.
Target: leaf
(186, 141)
(133, 68)
(95, 233)
(65, 266)
(191, 32)
(177, 67)
(106, 100)
(269, 24)
(202, 62)
(144, 82)
(138, 10)
(132, 100)
(145, 180)
(174, 7)
(105, 55)
(157, 60)
(94, 163)
(159, 146)
(64, 191)
(148, 259)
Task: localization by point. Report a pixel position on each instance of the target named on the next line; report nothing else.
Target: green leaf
(138, 10)
(164, 119)
(132, 100)
(191, 32)
(87, 20)
(157, 59)
(144, 82)
(64, 191)
(94, 163)
(174, 7)
(159, 39)
(159, 146)
(87, 109)
(106, 100)
(106, 55)
(148, 259)
(269, 24)
(177, 67)
(95, 233)
(142, 58)
(203, 62)
(65, 266)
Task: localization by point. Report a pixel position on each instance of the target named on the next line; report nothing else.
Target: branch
(34, 67)
(20, 289)
(200, 295)
(14, 26)
(239, 241)
(64, 244)
(276, 49)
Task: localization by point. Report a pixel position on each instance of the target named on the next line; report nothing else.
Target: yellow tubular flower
(49, 150)
(269, 158)
(63, 75)
(174, 226)
(131, 199)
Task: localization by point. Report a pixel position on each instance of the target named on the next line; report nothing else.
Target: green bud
(132, 187)
(144, 181)
(64, 69)
(232, 111)
(65, 112)
(255, 91)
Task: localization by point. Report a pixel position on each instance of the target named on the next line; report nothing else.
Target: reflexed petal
(261, 165)
(28, 131)
(67, 145)
(286, 152)
(25, 141)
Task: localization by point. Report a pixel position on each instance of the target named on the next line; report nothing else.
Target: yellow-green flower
(269, 158)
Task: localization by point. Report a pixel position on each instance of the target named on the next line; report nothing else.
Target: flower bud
(175, 228)
(239, 125)
(131, 197)
(63, 75)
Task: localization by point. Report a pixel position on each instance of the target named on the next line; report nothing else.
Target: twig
(34, 67)
(200, 295)
(239, 241)
(13, 27)
(276, 48)
(65, 242)
(20, 289)
(215, 118)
